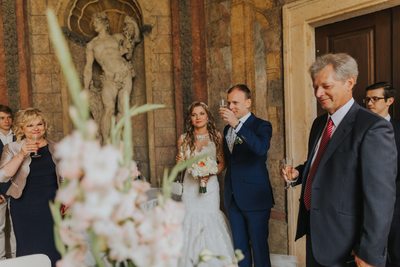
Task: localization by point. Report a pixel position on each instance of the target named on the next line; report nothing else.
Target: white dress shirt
(232, 132)
(337, 118)
(8, 138)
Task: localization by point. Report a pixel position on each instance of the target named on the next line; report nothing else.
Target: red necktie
(326, 136)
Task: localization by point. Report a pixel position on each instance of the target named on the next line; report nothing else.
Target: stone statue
(114, 54)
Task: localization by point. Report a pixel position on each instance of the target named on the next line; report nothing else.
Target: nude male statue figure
(114, 55)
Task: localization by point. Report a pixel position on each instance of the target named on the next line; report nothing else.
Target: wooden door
(374, 41)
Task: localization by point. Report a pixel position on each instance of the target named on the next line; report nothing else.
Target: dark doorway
(374, 41)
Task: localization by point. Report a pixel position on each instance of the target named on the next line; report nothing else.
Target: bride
(204, 224)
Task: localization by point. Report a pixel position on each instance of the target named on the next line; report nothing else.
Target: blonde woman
(29, 164)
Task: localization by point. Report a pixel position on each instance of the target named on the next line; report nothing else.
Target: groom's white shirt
(232, 133)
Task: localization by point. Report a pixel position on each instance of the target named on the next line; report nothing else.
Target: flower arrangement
(106, 210)
(202, 168)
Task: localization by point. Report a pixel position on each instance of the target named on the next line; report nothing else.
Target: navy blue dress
(31, 216)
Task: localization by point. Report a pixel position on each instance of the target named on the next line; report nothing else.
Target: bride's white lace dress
(205, 225)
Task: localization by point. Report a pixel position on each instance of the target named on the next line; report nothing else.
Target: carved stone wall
(45, 71)
(8, 14)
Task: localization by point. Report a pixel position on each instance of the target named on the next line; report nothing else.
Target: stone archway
(299, 21)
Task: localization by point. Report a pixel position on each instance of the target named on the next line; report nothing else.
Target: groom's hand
(229, 117)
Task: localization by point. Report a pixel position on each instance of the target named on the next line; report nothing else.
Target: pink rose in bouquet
(204, 167)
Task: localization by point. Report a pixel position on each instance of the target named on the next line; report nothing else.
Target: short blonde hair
(24, 117)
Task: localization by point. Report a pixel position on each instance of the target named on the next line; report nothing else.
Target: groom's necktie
(326, 136)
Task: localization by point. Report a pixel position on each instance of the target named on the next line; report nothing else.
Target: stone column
(242, 42)
(3, 81)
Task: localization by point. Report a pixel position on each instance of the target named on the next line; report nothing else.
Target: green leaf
(60, 46)
(136, 111)
(55, 212)
(94, 247)
(169, 178)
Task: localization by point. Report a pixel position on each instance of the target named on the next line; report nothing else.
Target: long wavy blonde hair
(189, 139)
(24, 117)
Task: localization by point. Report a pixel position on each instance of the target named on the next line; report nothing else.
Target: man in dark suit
(6, 136)
(247, 190)
(348, 180)
(379, 97)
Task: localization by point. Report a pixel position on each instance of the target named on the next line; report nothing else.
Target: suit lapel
(247, 123)
(226, 148)
(344, 128)
(315, 135)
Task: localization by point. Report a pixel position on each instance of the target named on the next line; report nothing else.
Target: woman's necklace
(202, 137)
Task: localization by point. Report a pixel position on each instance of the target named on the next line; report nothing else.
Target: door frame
(300, 18)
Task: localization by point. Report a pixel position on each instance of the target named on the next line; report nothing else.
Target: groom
(247, 193)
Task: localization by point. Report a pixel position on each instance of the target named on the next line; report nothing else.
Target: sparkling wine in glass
(287, 165)
(36, 140)
(223, 103)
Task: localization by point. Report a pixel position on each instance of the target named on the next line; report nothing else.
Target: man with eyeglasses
(379, 97)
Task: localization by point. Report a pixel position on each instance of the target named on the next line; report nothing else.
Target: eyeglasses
(372, 99)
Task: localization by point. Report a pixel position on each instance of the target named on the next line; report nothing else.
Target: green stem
(94, 246)
(60, 46)
(127, 134)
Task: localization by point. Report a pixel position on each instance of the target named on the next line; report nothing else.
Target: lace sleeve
(180, 149)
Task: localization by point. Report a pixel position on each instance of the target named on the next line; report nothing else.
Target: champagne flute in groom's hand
(223, 103)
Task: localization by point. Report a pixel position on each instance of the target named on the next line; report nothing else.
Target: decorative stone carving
(78, 15)
(113, 53)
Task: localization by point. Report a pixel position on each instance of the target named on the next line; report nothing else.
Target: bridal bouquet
(204, 167)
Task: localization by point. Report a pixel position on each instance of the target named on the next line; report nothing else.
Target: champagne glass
(287, 165)
(223, 103)
(36, 140)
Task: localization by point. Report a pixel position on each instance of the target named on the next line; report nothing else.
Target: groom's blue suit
(247, 190)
